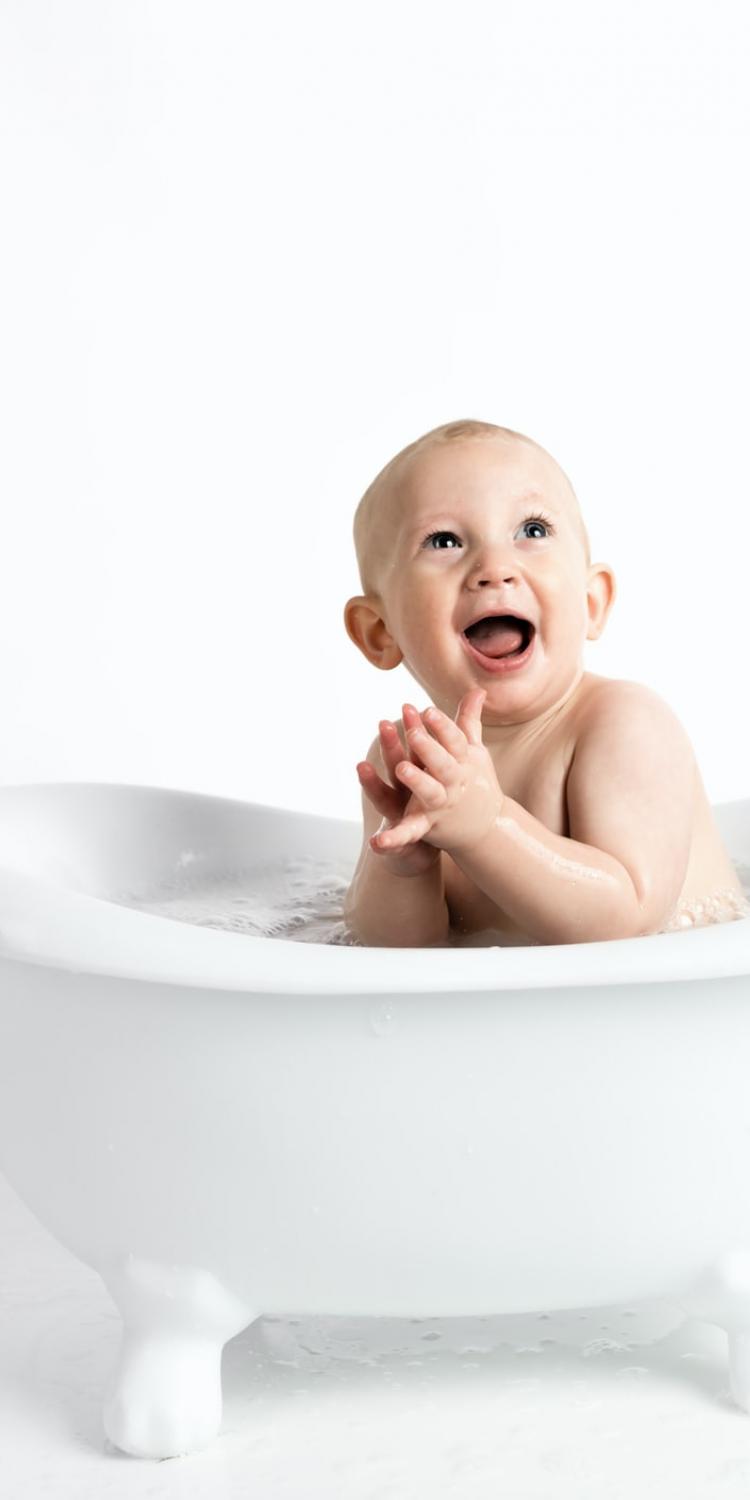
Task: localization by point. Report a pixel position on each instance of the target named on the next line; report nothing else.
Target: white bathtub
(226, 1126)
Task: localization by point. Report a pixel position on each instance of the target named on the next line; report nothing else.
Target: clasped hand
(455, 794)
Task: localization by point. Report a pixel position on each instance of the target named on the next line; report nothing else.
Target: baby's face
(475, 528)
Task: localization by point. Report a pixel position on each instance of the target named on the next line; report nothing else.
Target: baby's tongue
(497, 637)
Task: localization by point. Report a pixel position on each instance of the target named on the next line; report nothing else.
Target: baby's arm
(630, 799)
(395, 900)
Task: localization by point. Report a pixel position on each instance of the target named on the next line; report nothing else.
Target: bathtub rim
(48, 925)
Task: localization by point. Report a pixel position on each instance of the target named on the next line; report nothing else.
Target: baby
(535, 799)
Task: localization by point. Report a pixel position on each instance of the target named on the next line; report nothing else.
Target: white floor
(606, 1403)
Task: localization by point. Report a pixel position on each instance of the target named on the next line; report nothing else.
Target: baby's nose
(493, 579)
(494, 565)
(488, 574)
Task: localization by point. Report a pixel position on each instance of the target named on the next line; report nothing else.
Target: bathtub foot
(722, 1296)
(164, 1398)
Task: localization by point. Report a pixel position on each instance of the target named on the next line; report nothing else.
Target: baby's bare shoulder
(632, 761)
(625, 710)
(631, 790)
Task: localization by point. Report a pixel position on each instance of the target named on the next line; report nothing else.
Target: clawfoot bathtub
(225, 1126)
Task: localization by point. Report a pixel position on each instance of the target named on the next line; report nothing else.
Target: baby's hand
(393, 800)
(456, 797)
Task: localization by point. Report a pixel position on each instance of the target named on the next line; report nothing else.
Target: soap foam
(723, 906)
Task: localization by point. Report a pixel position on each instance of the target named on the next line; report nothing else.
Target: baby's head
(470, 521)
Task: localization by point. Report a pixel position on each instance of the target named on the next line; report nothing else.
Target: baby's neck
(505, 738)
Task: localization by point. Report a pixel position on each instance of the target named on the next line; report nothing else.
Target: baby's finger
(438, 761)
(446, 732)
(429, 791)
(383, 797)
(412, 719)
(469, 716)
(409, 831)
(391, 748)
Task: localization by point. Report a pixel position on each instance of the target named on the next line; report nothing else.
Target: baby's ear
(367, 628)
(601, 591)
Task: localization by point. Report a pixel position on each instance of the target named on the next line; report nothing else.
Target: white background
(249, 252)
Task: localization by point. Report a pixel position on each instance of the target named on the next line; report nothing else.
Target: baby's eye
(540, 521)
(435, 534)
(444, 541)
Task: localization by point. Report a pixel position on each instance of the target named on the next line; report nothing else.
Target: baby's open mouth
(500, 635)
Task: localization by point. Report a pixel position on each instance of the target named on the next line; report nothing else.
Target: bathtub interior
(102, 840)
(72, 855)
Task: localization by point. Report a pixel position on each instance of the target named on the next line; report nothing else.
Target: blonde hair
(449, 431)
